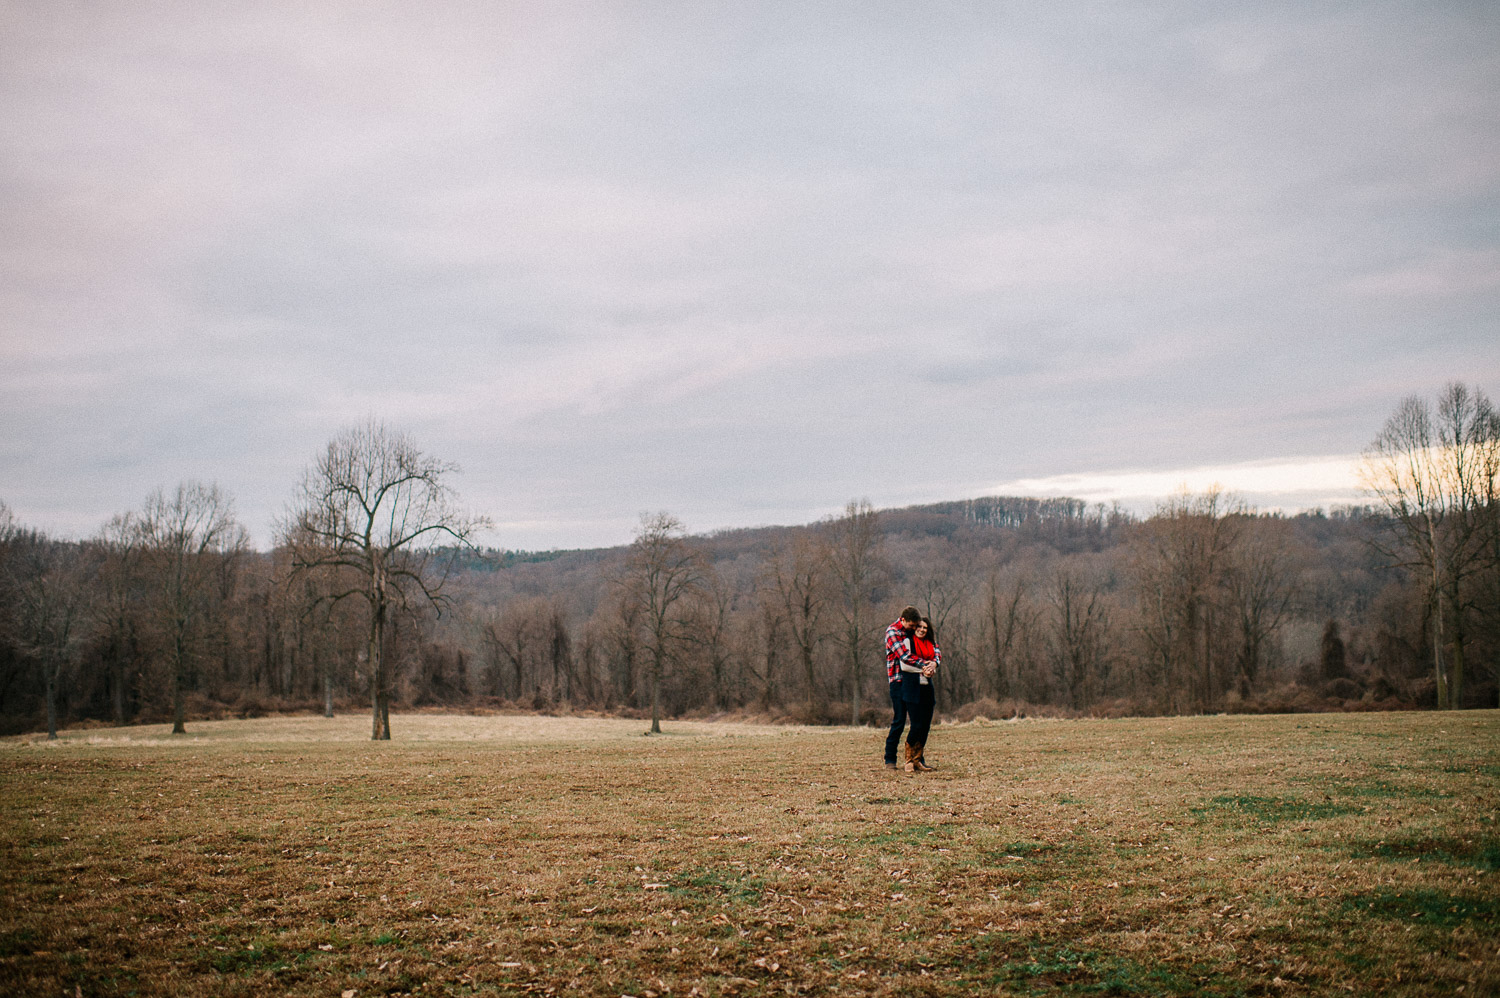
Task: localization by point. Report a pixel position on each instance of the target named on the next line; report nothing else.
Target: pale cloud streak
(1272, 485)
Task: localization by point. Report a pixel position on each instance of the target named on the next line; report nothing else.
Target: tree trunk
(323, 673)
(1456, 688)
(997, 657)
(858, 704)
(380, 722)
(1437, 618)
(51, 703)
(117, 694)
(812, 680)
(179, 708)
(1437, 650)
(656, 694)
(1460, 640)
(1206, 700)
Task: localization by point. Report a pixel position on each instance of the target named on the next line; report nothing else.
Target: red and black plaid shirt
(897, 650)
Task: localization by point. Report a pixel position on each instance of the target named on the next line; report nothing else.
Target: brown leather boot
(917, 761)
(911, 758)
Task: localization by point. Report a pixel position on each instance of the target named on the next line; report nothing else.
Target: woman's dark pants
(921, 717)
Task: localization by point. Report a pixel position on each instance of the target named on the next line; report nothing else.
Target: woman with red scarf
(917, 691)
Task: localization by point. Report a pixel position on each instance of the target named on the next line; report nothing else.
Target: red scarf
(923, 649)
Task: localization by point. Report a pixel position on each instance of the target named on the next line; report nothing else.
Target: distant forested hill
(1039, 605)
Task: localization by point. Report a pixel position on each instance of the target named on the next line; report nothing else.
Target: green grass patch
(1481, 854)
(241, 960)
(1425, 907)
(18, 943)
(1063, 969)
(1380, 789)
(910, 835)
(1023, 850)
(1271, 810)
(723, 883)
(1475, 769)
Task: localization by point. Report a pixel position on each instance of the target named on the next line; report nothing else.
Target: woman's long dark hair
(931, 632)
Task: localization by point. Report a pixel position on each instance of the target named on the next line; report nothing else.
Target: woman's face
(922, 630)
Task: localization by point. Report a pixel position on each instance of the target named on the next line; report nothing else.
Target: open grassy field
(1312, 854)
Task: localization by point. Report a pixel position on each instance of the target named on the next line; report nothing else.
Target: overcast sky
(740, 261)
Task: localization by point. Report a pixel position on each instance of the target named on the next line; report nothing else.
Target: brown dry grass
(1222, 855)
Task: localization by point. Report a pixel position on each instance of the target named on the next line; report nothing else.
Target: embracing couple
(911, 661)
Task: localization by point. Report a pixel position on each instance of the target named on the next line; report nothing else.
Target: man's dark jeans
(898, 721)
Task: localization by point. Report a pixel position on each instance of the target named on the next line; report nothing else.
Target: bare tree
(325, 636)
(119, 605)
(559, 652)
(796, 579)
(189, 540)
(1004, 622)
(713, 630)
(767, 630)
(12, 664)
(516, 640)
(621, 637)
(856, 561)
(1180, 556)
(941, 578)
(1434, 472)
(372, 511)
(1488, 430)
(591, 685)
(48, 589)
(1079, 633)
(1262, 586)
(663, 575)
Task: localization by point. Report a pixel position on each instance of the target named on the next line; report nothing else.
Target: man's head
(910, 618)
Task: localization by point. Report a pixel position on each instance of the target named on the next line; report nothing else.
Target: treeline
(1039, 605)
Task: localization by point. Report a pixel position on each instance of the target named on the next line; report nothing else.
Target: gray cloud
(614, 258)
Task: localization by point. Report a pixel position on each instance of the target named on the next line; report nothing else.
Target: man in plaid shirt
(898, 652)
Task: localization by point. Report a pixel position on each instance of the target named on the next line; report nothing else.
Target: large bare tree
(189, 540)
(371, 512)
(662, 578)
(1434, 471)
